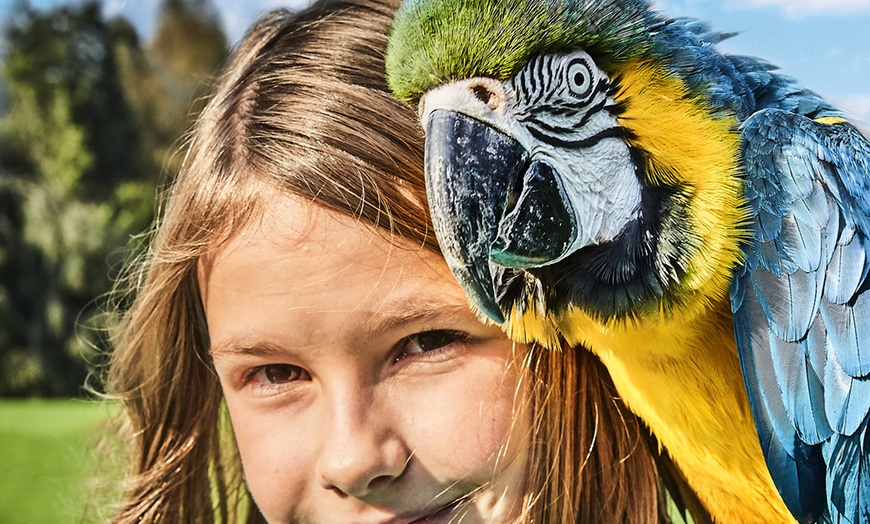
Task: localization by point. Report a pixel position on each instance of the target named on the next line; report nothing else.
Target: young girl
(294, 284)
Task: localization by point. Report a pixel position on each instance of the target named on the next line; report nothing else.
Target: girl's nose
(361, 452)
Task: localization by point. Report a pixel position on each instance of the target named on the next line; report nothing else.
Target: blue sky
(825, 44)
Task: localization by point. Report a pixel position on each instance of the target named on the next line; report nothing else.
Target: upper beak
(465, 198)
(490, 204)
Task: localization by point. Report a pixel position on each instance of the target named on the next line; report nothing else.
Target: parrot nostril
(485, 95)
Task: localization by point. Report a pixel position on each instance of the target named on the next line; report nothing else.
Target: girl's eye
(429, 341)
(277, 374)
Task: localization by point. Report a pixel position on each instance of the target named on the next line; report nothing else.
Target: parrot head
(574, 162)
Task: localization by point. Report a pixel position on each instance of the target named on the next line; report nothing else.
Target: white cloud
(858, 106)
(801, 7)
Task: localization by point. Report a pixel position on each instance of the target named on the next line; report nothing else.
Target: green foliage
(89, 117)
(189, 43)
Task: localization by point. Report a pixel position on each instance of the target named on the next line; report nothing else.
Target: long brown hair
(303, 108)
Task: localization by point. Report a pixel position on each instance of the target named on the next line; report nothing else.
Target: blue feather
(768, 256)
(848, 483)
(815, 348)
(802, 243)
(808, 274)
(797, 468)
(738, 290)
(846, 271)
(789, 302)
(758, 364)
(768, 224)
(849, 331)
(805, 400)
(814, 209)
(847, 399)
(771, 419)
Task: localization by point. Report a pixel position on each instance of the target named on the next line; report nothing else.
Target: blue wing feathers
(802, 243)
(800, 481)
(856, 360)
(769, 224)
(768, 257)
(848, 485)
(842, 277)
(798, 184)
(790, 302)
(814, 210)
(849, 330)
(806, 403)
(847, 399)
(757, 342)
(816, 348)
(804, 284)
(738, 290)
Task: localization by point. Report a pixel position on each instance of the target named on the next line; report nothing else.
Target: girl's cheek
(470, 424)
(275, 456)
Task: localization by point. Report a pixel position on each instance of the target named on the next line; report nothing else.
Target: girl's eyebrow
(398, 315)
(414, 310)
(416, 315)
(234, 347)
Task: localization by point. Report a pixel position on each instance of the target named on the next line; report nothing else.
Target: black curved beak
(491, 205)
(471, 169)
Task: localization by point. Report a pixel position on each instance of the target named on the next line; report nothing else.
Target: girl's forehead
(292, 223)
(290, 230)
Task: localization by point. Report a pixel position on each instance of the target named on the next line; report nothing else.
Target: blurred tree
(87, 121)
(69, 141)
(188, 47)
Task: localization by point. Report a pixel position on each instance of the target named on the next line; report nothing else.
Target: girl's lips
(442, 516)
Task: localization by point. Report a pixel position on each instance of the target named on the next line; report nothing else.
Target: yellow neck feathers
(688, 146)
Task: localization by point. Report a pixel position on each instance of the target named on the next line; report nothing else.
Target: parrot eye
(580, 77)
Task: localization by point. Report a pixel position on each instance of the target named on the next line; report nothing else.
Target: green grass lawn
(51, 456)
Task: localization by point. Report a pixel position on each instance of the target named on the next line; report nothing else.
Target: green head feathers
(437, 41)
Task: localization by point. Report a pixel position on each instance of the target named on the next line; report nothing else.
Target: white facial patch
(564, 102)
(602, 186)
(481, 98)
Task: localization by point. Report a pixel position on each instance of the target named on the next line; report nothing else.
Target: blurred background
(92, 111)
(95, 98)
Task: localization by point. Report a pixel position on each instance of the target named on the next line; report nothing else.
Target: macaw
(601, 174)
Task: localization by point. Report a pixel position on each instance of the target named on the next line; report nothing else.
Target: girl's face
(360, 386)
